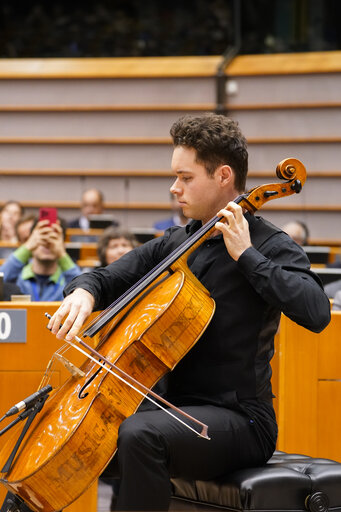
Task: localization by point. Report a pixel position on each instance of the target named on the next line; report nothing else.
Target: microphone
(29, 401)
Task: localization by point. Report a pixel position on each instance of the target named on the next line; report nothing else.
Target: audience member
(113, 244)
(336, 263)
(8, 289)
(298, 231)
(332, 288)
(41, 267)
(23, 227)
(177, 218)
(9, 215)
(337, 301)
(91, 204)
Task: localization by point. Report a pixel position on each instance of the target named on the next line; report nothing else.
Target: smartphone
(49, 214)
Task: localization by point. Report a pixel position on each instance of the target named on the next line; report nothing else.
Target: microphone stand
(30, 414)
(12, 502)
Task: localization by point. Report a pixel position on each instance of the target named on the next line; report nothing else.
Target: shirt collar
(193, 226)
(27, 273)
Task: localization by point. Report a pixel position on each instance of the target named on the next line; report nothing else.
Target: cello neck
(182, 252)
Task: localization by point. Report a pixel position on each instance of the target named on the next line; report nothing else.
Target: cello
(143, 335)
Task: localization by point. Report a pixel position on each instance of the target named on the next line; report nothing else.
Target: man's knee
(130, 432)
(135, 433)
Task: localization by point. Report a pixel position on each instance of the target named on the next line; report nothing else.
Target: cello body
(74, 437)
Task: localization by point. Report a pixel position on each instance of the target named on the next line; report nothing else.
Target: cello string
(132, 379)
(140, 384)
(200, 434)
(113, 309)
(108, 314)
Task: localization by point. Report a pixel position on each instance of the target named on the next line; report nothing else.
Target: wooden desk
(335, 254)
(22, 366)
(79, 235)
(309, 396)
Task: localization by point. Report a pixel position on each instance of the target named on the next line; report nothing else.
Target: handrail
(279, 64)
(323, 62)
(228, 55)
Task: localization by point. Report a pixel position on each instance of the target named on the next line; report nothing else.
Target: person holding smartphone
(41, 266)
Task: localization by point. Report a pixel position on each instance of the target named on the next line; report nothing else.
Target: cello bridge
(73, 369)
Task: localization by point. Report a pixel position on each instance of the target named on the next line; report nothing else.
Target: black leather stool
(288, 482)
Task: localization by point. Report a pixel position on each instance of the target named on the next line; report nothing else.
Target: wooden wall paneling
(275, 375)
(289, 123)
(329, 350)
(328, 423)
(310, 389)
(109, 92)
(87, 124)
(317, 156)
(297, 389)
(329, 390)
(289, 88)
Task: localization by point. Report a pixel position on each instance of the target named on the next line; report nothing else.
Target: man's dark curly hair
(217, 140)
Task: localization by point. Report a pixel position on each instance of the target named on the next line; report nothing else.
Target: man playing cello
(253, 271)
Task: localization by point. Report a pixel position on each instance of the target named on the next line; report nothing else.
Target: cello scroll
(289, 169)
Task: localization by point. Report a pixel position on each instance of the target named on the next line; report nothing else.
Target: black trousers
(152, 448)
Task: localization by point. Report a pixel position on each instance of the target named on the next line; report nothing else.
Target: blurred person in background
(333, 288)
(113, 244)
(23, 227)
(91, 204)
(337, 301)
(298, 231)
(9, 215)
(41, 267)
(177, 218)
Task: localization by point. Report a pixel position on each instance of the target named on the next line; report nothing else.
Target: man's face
(11, 214)
(91, 203)
(198, 194)
(117, 247)
(44, 254)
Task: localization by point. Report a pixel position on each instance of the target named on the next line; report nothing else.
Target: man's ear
(226, 176)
